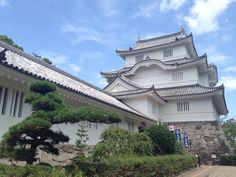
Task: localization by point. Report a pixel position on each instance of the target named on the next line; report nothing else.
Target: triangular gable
(120, 84)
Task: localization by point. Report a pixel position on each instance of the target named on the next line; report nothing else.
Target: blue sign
(178, 135)
(186, 140)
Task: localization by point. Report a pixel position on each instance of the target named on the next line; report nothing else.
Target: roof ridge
(159, 37)
(150, 47)
(54, 68)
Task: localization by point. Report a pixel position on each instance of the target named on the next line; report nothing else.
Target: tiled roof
(170, 62)
(159, 40)
(187, 91)
(168, 93)
(156, 44)
(29, 65)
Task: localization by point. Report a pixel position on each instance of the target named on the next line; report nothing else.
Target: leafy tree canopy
(9, 41)
(23, 139)
(163, 140)
(229, 127)
(42, 58)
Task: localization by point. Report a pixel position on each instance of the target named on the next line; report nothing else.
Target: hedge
(161, 166)
(228, 159)
(34, 171)
(131, 166)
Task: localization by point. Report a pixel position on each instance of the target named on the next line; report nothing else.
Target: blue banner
(186, 140)
(178, 135)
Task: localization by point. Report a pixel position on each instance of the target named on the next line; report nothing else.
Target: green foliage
(42, 87)
(23, 139)
(115, 141)
(47, 60)
(229, 127)
(163, 140)
(228, 160)
(35, 171)
(133, 166)
(81, 141)
(9, 41)
(179, 148)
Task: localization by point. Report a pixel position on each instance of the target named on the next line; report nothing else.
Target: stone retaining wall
(205, 138)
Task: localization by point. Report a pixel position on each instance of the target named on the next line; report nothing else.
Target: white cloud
(74, 68)
(230, 69)
(61, 61)
(56, 58)
(229, 82)
(108, 7)
(84, 33)
(166, 5)
(99, 80)
(215, 56)
(4, 3)
(147, 10)
(203, 16)
(92, 56)
(219, 58)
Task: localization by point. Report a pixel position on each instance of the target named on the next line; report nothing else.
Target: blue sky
(81, 36)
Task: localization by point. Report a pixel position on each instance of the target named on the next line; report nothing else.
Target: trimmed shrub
(164, 141)
(133, 166)
(117, 141)
(39, 170)
(228, 159)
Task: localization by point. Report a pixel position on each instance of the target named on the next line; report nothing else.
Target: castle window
(11, 102)
(177, 76)
(4, 99)
(138, 58)
(168, 53)
(183, 106)
(21, 104)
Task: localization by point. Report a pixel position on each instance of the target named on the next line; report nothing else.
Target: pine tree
(22, 140)
(82, 134)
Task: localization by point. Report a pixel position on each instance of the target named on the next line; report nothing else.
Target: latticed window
(11, 102)
(168, 53)
(183, 106)
(177, 76)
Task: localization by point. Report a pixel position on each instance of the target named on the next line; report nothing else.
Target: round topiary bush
(164, 141)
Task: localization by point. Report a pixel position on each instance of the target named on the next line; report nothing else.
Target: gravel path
(212, 171)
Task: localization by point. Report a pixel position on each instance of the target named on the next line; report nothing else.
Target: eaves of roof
(123, 53)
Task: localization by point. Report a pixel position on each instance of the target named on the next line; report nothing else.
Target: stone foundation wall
(204, 138)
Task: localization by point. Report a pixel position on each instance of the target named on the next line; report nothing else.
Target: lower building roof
(185, 92)
(27, 64)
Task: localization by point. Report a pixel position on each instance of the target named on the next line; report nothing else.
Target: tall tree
(229, 127)
(9, 41)
(22, 140)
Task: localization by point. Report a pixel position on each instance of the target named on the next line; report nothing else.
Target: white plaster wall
(203, 79)
(150, 103)
(178, 52)
(7, 121)
(139, 104)
(199, 110)
(147, 76)
(94, 132)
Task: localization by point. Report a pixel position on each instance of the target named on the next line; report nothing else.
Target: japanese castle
(164, 80)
